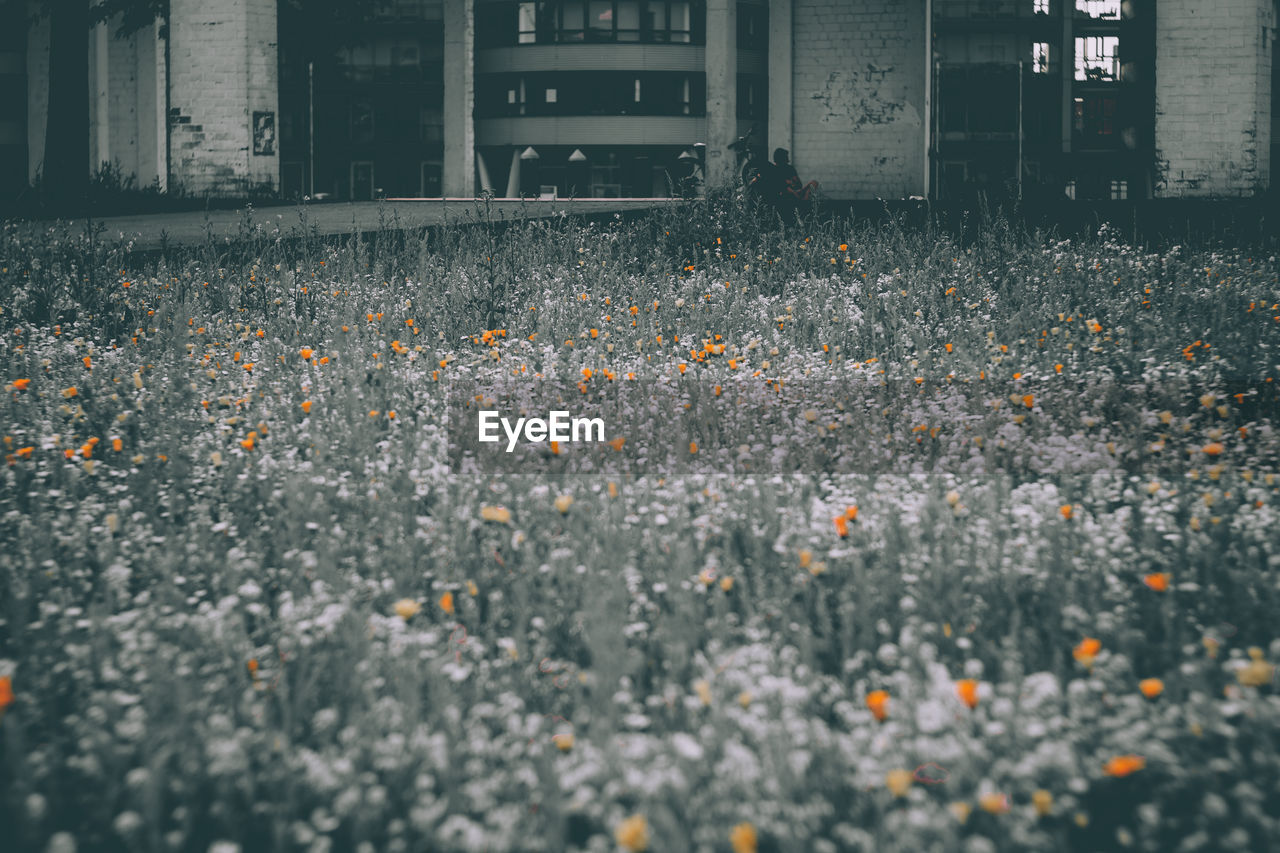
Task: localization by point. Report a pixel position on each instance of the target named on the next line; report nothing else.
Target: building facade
(1084, 99)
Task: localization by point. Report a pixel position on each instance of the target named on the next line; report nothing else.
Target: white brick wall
(859, 96)
(222, 65)
(1213, 97)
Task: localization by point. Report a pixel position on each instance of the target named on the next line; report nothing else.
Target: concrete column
(459, 167)
(780, 74)
(722, 90)
(37, 90)
(160, 119)
(100, 94)
(1066, 60)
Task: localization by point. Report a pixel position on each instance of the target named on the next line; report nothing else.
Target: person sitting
(791, 189)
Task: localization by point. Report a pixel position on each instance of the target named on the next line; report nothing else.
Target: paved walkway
(151, 231)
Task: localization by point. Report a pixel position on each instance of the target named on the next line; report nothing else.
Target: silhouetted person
(786, 186)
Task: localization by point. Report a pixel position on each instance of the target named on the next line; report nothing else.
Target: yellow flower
(743, 838)
(960, 810)
(499, 514)
(703, 689)
(1151, 687)
(806, 557)
(1257, 672)
(707, 577)
(898, 781)
(994, 803)
(744, 699)
(563, 742)
(633, 833)
(472, 589)
(406, 608)
(726, 583)
(563, 503)
(1043, 801)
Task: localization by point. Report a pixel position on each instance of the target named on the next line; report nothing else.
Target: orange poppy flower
(1151, 687)
(967, 690)
(1067, 511)
(842, 526)
(878, 702)
(21, 384)
(305, 352)
(446, 603)
(1124, 765)
(6, 692)
(1087, 650)
(1158, 581)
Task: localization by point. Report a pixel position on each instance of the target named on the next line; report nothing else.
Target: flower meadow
(1012, 587)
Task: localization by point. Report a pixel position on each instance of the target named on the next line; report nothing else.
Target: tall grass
(253, 607)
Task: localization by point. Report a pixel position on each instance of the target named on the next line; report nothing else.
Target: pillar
(223, 97)
(459, 167)
(722, 90)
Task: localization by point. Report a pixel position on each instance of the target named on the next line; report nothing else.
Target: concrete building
(1086, 99)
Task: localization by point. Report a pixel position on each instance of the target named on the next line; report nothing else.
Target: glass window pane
(628, 18)
(527, 21)
(601, 14)
(572, 15)
(656, 15)
(680, 15)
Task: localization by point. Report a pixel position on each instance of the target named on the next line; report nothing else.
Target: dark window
(430, 125)
(594, 93)
(978, 100)
(551, 21)
(752, 97)
(753, 27)
(1095, 117)
(431, 183)
(362, 122)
